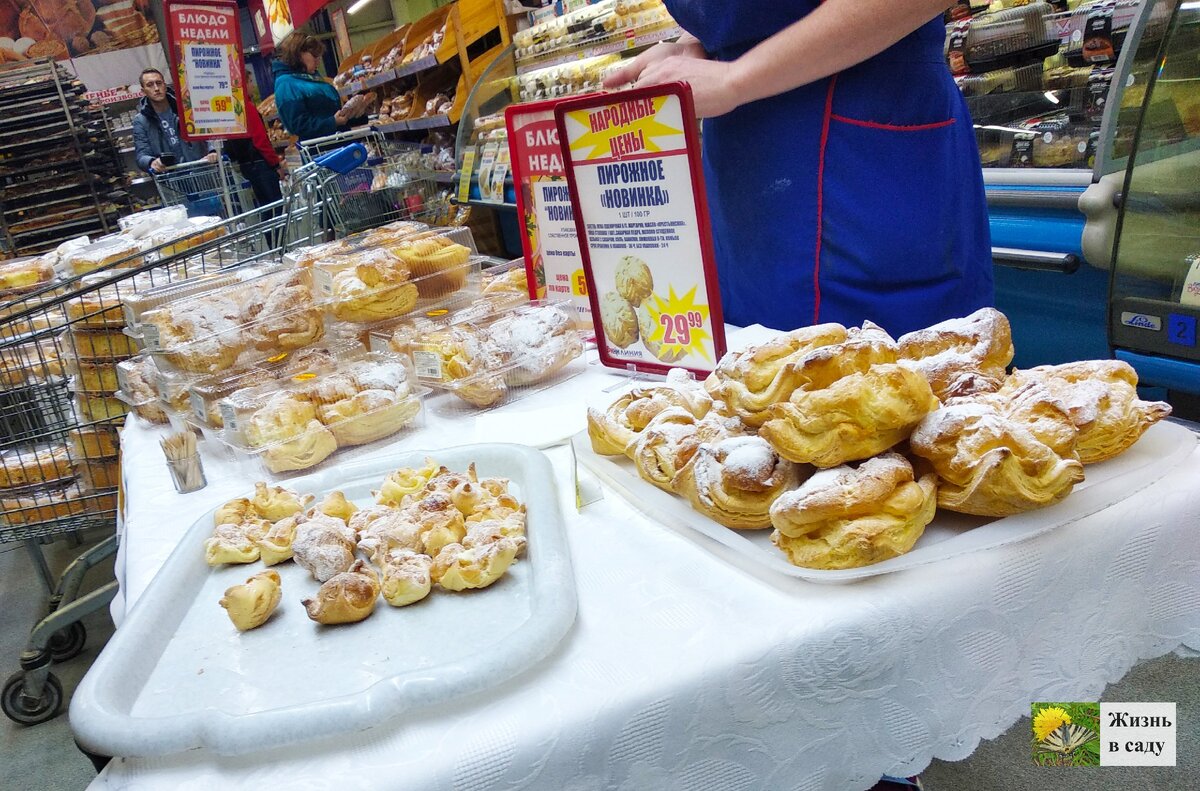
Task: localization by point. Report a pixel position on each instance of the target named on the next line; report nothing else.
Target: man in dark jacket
(156, 128)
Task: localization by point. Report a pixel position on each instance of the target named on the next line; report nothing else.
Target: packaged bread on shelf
(239, 323)
(107, 344)
(297, 423)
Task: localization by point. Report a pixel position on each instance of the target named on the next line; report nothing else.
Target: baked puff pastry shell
(346, 597)
(848, 517)
(854, 417)
(671, 439)
(250, 604)
(1100, 397)
(614, 431)
(457, 568)
(368, 416)
(961, 356)
(407, 577)
(323, 546)
(991, 464)
(373, 291)
(735, 481)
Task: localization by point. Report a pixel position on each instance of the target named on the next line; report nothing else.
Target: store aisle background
(45, 757)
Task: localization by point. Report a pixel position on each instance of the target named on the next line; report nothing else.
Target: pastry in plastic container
(24, 274)
(298, 423)
(360, 242)
(101, 344)
(109, 252)
(243, 322)
(98, 474)
(95, 442)
(487, 358)
(389, 283)
(143, 223)
(155, 295)
(137, 379)
(205, 393)
(35, 362)
(43, 504)
(40, 464)
(99, 407)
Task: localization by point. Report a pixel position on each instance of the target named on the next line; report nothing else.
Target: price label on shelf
(637, 193)
(464, 175)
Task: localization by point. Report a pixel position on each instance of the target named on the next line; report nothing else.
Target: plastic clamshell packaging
(105, 253)
(95, 442)
(22, 275)
(153, 297)
(291, 425)
(100, 474)
(99, 407)
(107, 344)
(43, 503)
(1163, 448)
(142, 223)
(205, 393)
(237, 324)
(177, 239)
(40, 465)
(177, 676)
(138, 381)
(35, 362)
(487, 355)
(388, 282)
(367, 240)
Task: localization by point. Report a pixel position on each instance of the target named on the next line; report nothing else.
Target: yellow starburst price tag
(678, 326)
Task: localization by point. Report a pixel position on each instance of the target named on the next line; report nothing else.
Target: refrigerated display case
(1053, 94)
(1155, 281)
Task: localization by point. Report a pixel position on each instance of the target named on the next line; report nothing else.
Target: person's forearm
(835, 36)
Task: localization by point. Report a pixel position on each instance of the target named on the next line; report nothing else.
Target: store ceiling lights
(359, 5)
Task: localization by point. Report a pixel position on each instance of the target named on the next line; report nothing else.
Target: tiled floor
(44, 757)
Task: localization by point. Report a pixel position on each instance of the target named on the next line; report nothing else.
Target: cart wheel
(31, 712)
(67, 643)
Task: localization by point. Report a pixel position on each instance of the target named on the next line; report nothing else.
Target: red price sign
(677, 327)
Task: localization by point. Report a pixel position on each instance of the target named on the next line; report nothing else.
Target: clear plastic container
(95, 442)
(43, 503)
(94, 376)
(138, 380)
(235, 325)
(99, 407)
(143, 223)
(205, 393)
(152, 297)
(110, 344)
(35, 362)
(487, 356)
(100, 474)
(390, 282)
(24, 274)
(1008, 37)
(296, 424)
(365, 240)
(1059, 143)
(104, 253)
(40, 465)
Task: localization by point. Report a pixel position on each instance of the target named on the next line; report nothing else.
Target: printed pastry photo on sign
(63, 29)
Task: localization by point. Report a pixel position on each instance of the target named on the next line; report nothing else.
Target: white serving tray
(1160, 450)
(177, 676)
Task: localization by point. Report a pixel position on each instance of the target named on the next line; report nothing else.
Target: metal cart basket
(59, 462)
(207, 189)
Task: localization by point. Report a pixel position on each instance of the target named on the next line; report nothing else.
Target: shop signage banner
(341, 33)
(106, 45)
(549, 239)
(637, 191)
(206, 46)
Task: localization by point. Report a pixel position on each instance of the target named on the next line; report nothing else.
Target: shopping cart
(206, 189)
(46, 412)
(382, 191)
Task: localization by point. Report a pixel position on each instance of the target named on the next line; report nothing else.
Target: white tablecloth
(684, 672)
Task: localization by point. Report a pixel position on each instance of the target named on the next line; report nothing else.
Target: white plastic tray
(1157, 453)
(177, 676)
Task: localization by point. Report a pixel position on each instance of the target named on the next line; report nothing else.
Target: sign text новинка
(640, 176)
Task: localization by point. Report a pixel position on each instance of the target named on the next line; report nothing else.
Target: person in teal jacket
(308, 106)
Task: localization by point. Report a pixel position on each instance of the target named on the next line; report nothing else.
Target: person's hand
(281, 171)
(157, 166)
(713, 82)
(631, 70)
(211, 157)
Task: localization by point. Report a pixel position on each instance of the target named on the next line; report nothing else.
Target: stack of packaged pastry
(845, 441)
(296, 424)
(428, 526)
(487, 351)
(42, 482)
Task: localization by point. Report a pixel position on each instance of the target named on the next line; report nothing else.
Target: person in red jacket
(257, 160)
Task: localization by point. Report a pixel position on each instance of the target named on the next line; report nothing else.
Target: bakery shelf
(606, 47)
(429, 121)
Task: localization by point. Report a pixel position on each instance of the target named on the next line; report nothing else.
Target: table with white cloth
(686, 671)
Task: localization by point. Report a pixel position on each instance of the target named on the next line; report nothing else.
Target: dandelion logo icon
(1066, 734)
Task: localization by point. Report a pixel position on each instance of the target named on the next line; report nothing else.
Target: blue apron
(855, 197)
